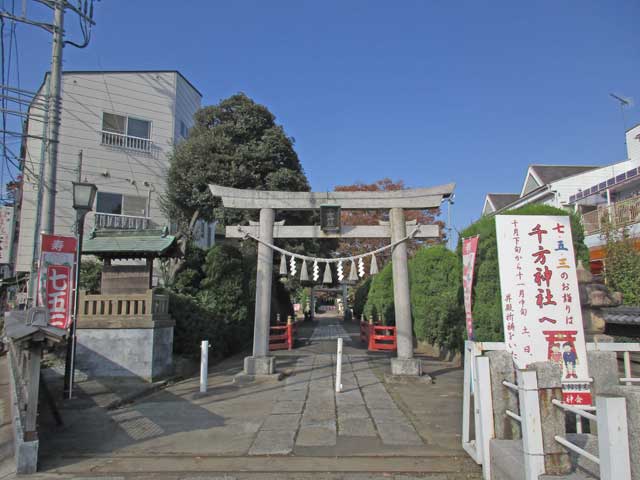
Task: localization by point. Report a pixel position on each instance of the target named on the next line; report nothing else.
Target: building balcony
(122, 222)
(119, 140)
(619, 214)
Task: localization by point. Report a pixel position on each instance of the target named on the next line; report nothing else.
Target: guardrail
(613, 440)
(378, 338)
(620, 348)
(619, 214)
(112, 139)
(122, 222)
(477, 394)
(283, 336)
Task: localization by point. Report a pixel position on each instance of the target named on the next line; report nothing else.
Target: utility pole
(51, 170)
(47, 177)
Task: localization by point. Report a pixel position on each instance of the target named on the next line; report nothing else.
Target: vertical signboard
(6, 233)
(55, 278)
(540, 299)
(469, 249)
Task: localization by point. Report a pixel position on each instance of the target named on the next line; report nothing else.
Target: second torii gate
(261, 363)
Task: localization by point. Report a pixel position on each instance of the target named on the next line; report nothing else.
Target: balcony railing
(122, 222)
(112, 139)
(619, 214)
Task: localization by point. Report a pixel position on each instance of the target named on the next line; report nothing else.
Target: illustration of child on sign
(570, 358)
(556, 356)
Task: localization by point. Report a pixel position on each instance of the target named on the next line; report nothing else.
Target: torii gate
(261, 363)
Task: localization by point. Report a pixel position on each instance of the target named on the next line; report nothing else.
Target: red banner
(55, 278)
(469, 250)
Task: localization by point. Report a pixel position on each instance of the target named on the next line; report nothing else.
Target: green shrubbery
(435, 283)
(622, 267)
(436, 297)
(212, 299)
(379, 306)
(360, 297)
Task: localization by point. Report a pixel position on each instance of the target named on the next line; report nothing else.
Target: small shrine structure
(126, 329)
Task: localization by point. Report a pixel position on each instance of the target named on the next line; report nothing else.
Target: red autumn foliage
(372, 217)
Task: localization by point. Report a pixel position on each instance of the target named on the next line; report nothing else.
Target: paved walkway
(296, 428)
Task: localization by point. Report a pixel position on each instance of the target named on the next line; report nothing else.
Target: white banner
(541, 310)
(6, 233)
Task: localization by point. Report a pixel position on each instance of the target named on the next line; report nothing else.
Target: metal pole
(339, 367)
(204, 365)
(70, 366)
(49, 200)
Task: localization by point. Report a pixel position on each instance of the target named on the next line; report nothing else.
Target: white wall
(566, 187)
(145, 95)
(633, 144)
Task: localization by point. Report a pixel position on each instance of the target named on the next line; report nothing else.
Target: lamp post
(83, 195)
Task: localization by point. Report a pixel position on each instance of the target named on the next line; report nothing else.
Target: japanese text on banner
(55, 278)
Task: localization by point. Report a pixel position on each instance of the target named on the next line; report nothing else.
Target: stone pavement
(296, 428)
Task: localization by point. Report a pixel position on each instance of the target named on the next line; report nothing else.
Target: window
(184, 130)
(133, 127)
(126, 132)
(109, 203)
(119, 204)
(138, 128)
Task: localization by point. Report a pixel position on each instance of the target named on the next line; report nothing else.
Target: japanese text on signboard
(540, 298)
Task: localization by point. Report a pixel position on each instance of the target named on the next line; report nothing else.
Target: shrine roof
(622, 315)
(130, 244)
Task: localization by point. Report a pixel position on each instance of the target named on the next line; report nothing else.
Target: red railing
(378, 337)
(282, 336)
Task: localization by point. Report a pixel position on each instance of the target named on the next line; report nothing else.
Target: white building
(126, 124)
(611, 192)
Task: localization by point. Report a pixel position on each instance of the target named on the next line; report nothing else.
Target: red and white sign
(55, 278)
(469, 250)
(540, 298)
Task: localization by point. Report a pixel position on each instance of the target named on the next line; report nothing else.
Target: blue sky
(424, 91)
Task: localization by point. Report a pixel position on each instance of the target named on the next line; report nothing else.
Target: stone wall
(125, 352)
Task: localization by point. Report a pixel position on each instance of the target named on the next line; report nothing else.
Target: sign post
(540, 298)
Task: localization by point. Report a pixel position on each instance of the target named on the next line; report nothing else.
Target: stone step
(437, 467)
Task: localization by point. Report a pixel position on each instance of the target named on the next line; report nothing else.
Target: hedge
(436, 297)
(379, 306)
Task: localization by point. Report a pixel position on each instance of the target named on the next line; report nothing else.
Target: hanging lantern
(283, 264)
(304, 274)
(316, 271)
(327, 274)
(292, 266)
(340, 271)
(360, 267)
(353, 275)
(374, 265)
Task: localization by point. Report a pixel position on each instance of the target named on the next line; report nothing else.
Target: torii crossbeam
(260, 363)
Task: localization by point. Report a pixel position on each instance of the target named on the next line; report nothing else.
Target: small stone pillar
(556, 458)
(261, 363)
(502, 368)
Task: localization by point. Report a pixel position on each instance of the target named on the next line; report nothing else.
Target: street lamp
(83, 195)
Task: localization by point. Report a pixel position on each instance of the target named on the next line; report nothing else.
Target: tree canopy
(235, 143)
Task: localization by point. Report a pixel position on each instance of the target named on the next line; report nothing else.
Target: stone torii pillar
(404, 364)
(261, 363)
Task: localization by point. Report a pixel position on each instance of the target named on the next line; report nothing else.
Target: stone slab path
(295, 428)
